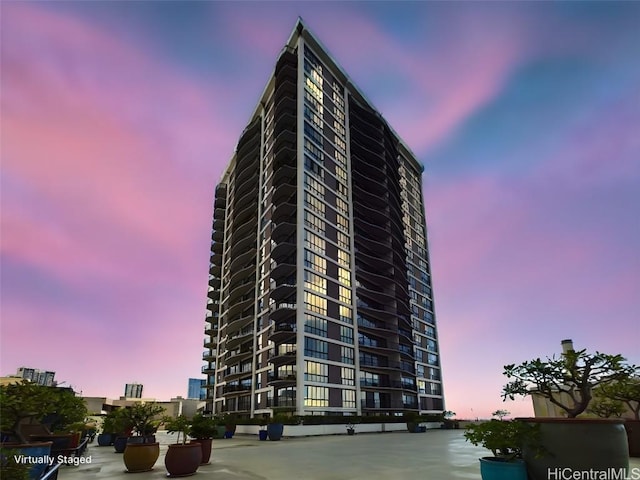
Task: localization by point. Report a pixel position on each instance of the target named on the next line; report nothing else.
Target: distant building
(133, 390)
(197, 389)
(41, 377)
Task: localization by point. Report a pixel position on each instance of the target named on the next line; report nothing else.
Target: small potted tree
(182, 458)
(506, 440)
(108, 430)
(141, 454)
(568, 383)
(275, 428)
(203, 429)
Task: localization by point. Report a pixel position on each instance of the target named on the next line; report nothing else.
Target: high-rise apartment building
(320, 297)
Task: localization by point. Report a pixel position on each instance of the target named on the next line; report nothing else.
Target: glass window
(315, 282)
(315, 262)
(344, 294)
(347, 355)
(313, 223)
(315, 325)
(343, 257)
(315, 303)
(312, 203)
(343, 240)
(316, 348)
(348, 376)
(346, 314)
(348, 398)
(316, 396)
(343, 275)
(314, 186)
(346, 334)
(314, 242)
(316, 372)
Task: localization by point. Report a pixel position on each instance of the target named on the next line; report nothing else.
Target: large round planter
(105, 439)
(120, 443)
(275, 431)
(183, 460)
(34, 450)
(492, 468)
(633, 435)
(578, 445)
(205, 444)
(141, 457)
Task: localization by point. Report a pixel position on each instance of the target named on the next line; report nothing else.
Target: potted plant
(203, 429)
(15, 470)
(230, 424)
(184, 458)
(568, 383)
(108, 430)
(122, 429)
(350, 429)
(506, 440)
(141, 454)
(275, 428)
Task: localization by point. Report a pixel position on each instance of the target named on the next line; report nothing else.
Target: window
(313, 116)
(346, 334)
(314, 242)
(315, 325)
(343, 208)
(346, 315)
(312, 203)
(312, 133)
(347, 355)
(344, 294)
(348, 399)
(312, 166)
(368, 379)
(315, 282)
(316, 396)
(314, 223)
(343, 275)
(315, 303)
(348, 376)
(343, 257)
(316, 372)
(314, 186)
(341, 174)
(432, 359)
(313, 151)
(315, 262)
(316, 348)
(343, 241)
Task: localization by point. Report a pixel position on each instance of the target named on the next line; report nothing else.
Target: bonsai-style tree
(568, 381)
(57, 406)
(179, 425)
(625, 391)
(141, 417)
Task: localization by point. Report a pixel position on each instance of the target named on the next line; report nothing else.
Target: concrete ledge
(337, 429)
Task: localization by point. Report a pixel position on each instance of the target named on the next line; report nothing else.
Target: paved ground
(434, 455)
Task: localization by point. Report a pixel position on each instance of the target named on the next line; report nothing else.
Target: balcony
(281, 332)
(281, 357)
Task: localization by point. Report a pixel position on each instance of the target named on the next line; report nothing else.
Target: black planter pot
(576, 444)
(633, 435)
(119, 444)
(275, 431)
(105, 439)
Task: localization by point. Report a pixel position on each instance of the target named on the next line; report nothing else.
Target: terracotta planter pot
(183, 460)
(141, 457)
(205, 444)
(578, 445)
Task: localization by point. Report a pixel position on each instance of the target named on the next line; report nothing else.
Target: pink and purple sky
(119, 117)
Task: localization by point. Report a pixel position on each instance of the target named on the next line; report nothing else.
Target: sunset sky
(119, 117)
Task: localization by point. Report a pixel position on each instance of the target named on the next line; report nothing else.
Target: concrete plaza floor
(436, 455)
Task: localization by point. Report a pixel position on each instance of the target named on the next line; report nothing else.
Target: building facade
(320, 298)
(197, 389)
(41, 377)
(133, 390)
